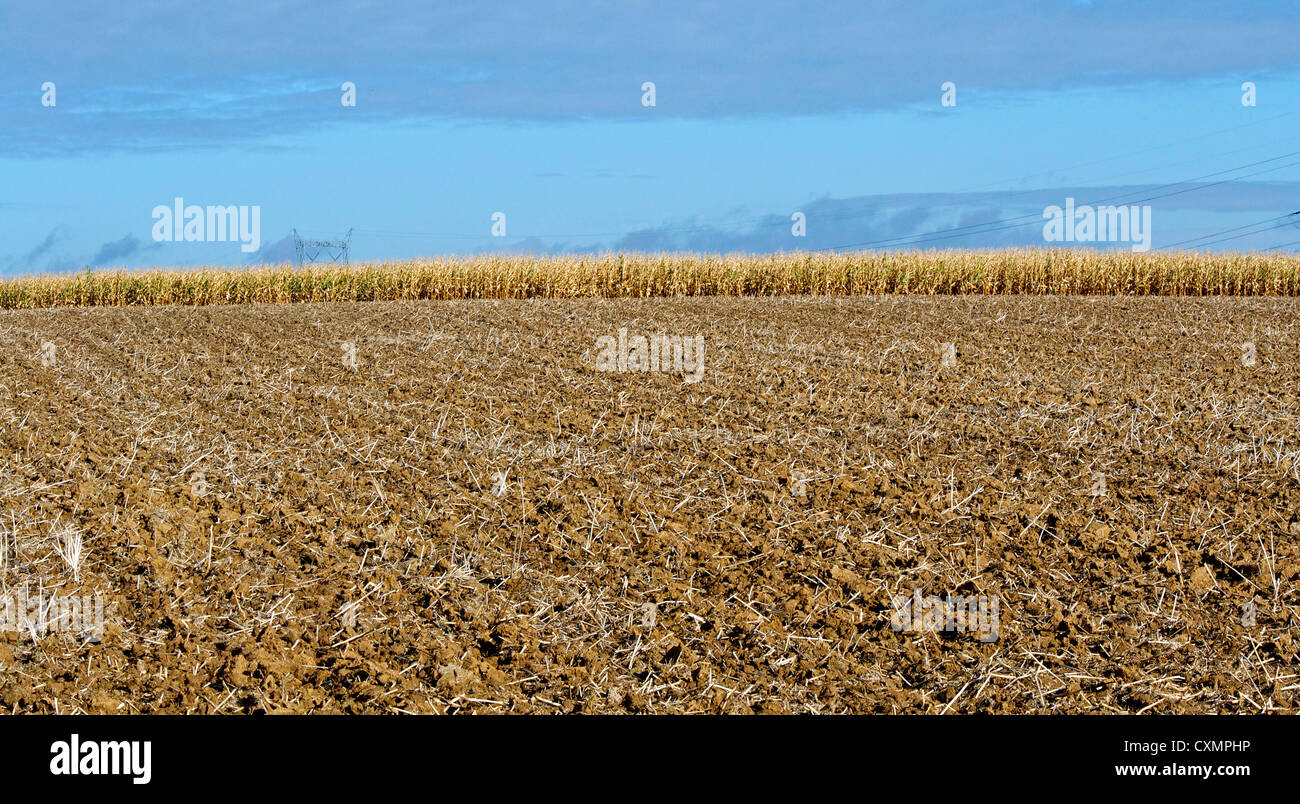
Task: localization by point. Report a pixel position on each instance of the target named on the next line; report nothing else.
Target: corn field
(1010, 271)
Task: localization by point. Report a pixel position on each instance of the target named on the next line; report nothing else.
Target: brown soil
(474, 518)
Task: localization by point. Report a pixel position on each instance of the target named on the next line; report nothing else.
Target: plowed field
(445, 506)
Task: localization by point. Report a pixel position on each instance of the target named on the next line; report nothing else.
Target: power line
(1234, 229)
(760, 219)
(986, 227)
(1163, 147)
(1024, 220)
(309, 251)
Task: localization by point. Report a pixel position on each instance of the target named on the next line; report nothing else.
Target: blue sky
(535, 109)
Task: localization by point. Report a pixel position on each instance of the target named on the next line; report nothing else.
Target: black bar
(677, 755)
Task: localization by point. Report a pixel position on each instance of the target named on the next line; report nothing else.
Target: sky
(528, 127)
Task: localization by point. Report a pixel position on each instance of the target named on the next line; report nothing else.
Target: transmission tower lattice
(309, 251)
